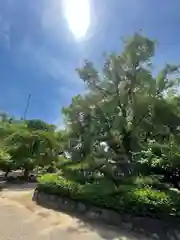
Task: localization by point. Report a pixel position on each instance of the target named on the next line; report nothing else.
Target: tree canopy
(27, 144)
(128, 110)
(127, 122)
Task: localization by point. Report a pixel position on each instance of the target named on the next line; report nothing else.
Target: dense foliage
(129, 121)
(123, 132)
(142, 201)
(26, 145)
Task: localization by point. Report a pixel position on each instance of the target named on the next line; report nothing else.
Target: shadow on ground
(60, 222)
(105, 231)
(66, 221)
(15, 182)
(23, 186)
(82, 225)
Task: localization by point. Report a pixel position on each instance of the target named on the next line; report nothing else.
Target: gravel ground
(21, 219)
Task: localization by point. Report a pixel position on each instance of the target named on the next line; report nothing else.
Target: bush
(125, 199)
(54, 184)
(145, 181)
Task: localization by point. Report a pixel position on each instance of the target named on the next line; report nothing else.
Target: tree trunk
(26, 174)
(6, 174)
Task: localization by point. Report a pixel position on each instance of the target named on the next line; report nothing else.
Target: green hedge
(126, 198)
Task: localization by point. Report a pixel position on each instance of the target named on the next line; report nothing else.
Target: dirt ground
(22, 219)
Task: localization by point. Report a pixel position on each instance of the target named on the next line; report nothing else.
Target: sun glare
(77, 13)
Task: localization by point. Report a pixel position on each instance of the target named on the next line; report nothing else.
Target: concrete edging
(155, 228)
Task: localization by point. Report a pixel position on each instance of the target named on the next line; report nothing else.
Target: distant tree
(6, 162)
(37, 124)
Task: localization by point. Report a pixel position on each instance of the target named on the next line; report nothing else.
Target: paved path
(21, 219)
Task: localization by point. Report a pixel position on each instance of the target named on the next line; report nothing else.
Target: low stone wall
(157, 229)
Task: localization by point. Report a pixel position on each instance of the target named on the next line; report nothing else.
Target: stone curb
(155, 228)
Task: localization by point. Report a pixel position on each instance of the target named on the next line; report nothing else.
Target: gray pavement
(21, 219)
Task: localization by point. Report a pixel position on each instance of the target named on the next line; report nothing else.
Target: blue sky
(38, 52)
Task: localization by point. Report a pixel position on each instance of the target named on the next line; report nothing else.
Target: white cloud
(28, 53)
(5, 33)
(51, 18)
(60, 68)
(59, 123)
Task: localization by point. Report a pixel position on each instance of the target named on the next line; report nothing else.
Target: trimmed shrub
(145, 181)
(125, 199)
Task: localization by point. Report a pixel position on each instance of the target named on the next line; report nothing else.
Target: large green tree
(126, 105)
